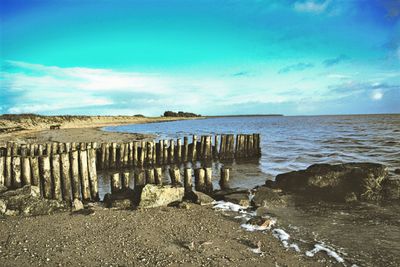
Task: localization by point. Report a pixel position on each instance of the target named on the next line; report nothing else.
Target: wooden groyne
(66, 171)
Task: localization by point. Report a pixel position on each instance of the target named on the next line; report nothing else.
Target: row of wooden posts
(63, 176)
(202, 179)
(149, 153)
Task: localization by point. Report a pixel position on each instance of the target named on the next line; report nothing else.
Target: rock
(391, 188)
(157, 196)
(350, 197)
(77, 205)
(397, 171)
(221, 194)
(267, 197)
(122, 199)
(27, 201)
(199, 198)
(334, 182)
(3, 206)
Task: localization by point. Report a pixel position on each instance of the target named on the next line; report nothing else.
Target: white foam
(295, 247)
(256, 250)
(223, 205)
(252, 228)
(320, 247)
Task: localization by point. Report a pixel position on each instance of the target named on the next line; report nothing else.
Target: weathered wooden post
(135, 154)
(224, 181)
(199, 180)
(82, 146)
(149, 153)
(16, 171)
(84, 175)
(40, 150)
(139, 179)
(66, 177)
(193, 151)
(61, 148)
(175, 175)
(26, 171)
(158, 175)
(251, 145)
(185, 149)
(48, 149)
(56, 174)
(171, 158)
(74, 159)
(200, 152)
(187, 181)
(165, 152)
(178, 152)
(54, 148)
(94, 187)
(126, 176)
(8, 171)
(115, 182)
(150, 178)
(113, 155)
(231, 146)
(208, 180)
(222, 148)
(159, 152)
(23, 150)
(207, 148)
(2, 170)
(73, 146)
(153, 145)
(35, 171)
(120, 158)
(126, 154)
(215, 147)
(103, 156)
(237, 147)
(130, 153)
(67, 147)
(45, 177)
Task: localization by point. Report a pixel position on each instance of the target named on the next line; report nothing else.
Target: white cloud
(377, 94)
(311, 6)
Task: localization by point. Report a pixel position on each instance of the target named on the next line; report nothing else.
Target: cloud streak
(334, 61)
(311, 6)
(301, 66)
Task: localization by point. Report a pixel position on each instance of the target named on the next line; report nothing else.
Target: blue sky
(295, 57)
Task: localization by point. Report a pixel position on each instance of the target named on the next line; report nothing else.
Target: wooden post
(125, 180)
(56, 174)
(45, 177)
(107, 156)
(171, 158)
(202, 147)
(208, 148)
(115, 182)
(103, 156)
(61, 148)
(14, 150)
(82, 146)
(143, 154)
(74, 158)
(159, 152)
(35, 171)
(165, 152)
(66, 178)
(194, 148)
(185, 149)
(121, 153)
(153, 145)
(73, 146)
(2, 170)
(8, 171)
(150, 178)
(139, 179)
(126, 154)
(237, 147)
(130, 154)
(40, 150)
(94, 187)
(54, 148)
(224, 181)
(231, 146)
(251, 145)
(26, 171)
(84, 175)
(158, 175)
(175, 175)
(48, 149)
(199, 180)
(222, 147)
(113, 155)
(187, 181)
(178, 152)
(149, 153)
(135, 154)
(16, 171)
(208, 180)
(67, 147)
(215, 147)
(23, 150)
(33, 150)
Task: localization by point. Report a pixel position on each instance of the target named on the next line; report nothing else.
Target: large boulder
(337, 181)
(157, 196)
(27, 201)
(123, 199)
(238, 196)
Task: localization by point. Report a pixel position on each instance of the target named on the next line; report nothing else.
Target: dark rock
(199, 198)
(3, 188)
(122, 199)
(334, 182)
(397, 171)
(241, 199)
(267, 197)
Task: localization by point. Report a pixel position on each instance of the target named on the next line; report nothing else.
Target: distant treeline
(31, 116)
(180, 114)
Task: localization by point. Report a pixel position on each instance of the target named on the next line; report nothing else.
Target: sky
(212, 57)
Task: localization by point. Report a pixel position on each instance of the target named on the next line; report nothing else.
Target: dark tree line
(180, 114)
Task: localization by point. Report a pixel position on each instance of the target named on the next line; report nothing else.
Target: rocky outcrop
(123, 199)
(157, 196)
(27, 201)
(199, 198)
(365, 181)
(238, 196)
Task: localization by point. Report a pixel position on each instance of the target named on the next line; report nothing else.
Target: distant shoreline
(246, 115)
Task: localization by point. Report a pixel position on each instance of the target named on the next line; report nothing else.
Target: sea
(363, 234)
